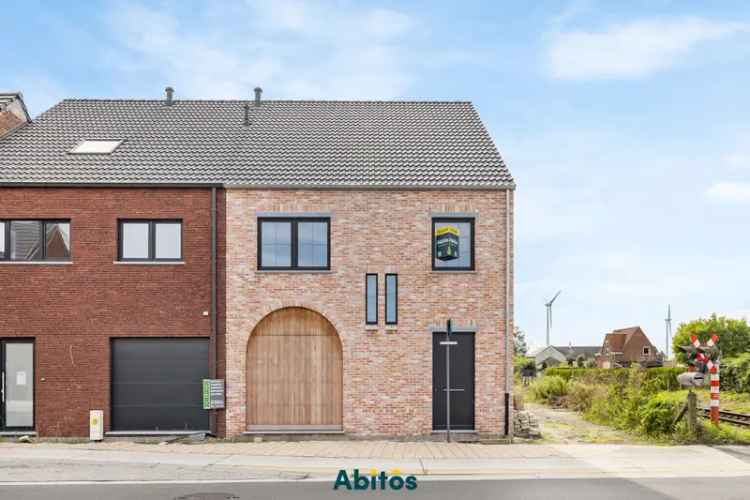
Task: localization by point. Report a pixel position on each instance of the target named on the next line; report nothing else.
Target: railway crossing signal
(704, 358)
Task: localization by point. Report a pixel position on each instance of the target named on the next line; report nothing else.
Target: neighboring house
(626, 346)
(13, 112)
(560, 355)
(288, 247)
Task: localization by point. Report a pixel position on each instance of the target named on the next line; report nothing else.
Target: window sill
(391, 328)
(149, 263)
(36, 262)
(455, 271)
(294, 271)
(372, 327)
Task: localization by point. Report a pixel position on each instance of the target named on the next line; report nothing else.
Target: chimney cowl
(169, 95)
(258, 92)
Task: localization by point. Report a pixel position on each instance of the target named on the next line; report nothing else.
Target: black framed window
(149, 240)
(461, 257)
(302, 243)
(371, 299)
(35, 240)
(391, 299)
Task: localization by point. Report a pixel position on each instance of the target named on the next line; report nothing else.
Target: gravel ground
(565, 426)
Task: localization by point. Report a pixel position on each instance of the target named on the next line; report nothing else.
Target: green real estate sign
(213, 394)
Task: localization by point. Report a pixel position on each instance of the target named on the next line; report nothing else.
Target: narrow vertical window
(371, 299)
(391, 299)
(2, 240)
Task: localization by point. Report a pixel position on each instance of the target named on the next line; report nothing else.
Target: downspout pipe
(212, 344)
(508, 312)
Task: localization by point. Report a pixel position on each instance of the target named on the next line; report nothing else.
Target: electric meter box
(446, 243)
(96, 425)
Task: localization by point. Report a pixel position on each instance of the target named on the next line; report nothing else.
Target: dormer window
(96, 146)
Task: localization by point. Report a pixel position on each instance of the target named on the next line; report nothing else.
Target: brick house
(310, 275)
(623, 347)
(13, 112)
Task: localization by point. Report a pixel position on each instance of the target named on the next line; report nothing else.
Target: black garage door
(156, 384)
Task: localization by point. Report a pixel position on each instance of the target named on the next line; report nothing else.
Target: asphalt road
(522, 489)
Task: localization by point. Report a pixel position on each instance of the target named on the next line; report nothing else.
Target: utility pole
(548, 305)
(668, 332)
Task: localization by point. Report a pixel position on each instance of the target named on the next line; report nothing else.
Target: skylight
(96, 146)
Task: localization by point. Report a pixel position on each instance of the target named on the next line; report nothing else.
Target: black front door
(462, 381)
(16, 384)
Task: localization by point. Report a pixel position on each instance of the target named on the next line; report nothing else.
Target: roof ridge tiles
(271, 101)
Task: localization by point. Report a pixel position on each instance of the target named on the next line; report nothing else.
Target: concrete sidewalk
(223, 461)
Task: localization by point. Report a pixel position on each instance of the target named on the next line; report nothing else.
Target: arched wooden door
(294, 372)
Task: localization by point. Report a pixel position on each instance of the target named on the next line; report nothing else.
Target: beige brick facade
(387, 374)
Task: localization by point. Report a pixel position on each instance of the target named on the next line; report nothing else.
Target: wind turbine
(668, 325)
(548, 305)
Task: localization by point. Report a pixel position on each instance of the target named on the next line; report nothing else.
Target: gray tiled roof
(288, 143)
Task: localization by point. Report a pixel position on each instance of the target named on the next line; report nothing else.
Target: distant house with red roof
(623, 347)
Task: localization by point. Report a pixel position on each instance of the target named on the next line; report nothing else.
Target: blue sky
(625, 124)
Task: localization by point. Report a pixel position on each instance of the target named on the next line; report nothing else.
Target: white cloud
(292, 49)
(730, 191)
(631, 50)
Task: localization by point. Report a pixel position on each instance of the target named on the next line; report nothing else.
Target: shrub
(549, 389)
(661, 379)
(735, 373)
(657, 413)
(581, 396)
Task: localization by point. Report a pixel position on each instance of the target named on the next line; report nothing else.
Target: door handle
(452, 390)
(2, 388)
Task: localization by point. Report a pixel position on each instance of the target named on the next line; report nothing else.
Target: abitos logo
(374, 480)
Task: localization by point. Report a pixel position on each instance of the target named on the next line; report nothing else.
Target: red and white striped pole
(713, 369)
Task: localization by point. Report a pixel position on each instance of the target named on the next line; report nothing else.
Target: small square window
(26, 240)
(296, 243)
(646, 350)
(57, 240)
(452, 244)
(96, 146)
(150, 240)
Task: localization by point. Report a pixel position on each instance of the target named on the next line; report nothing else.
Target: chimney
(258, 92)
(170, 93)
(13, 113)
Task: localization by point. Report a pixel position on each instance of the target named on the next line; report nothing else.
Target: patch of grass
(709, 433)
(730, 401)
(549, 389)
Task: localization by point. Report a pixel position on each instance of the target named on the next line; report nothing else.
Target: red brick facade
(387, 372)
(72, 310)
